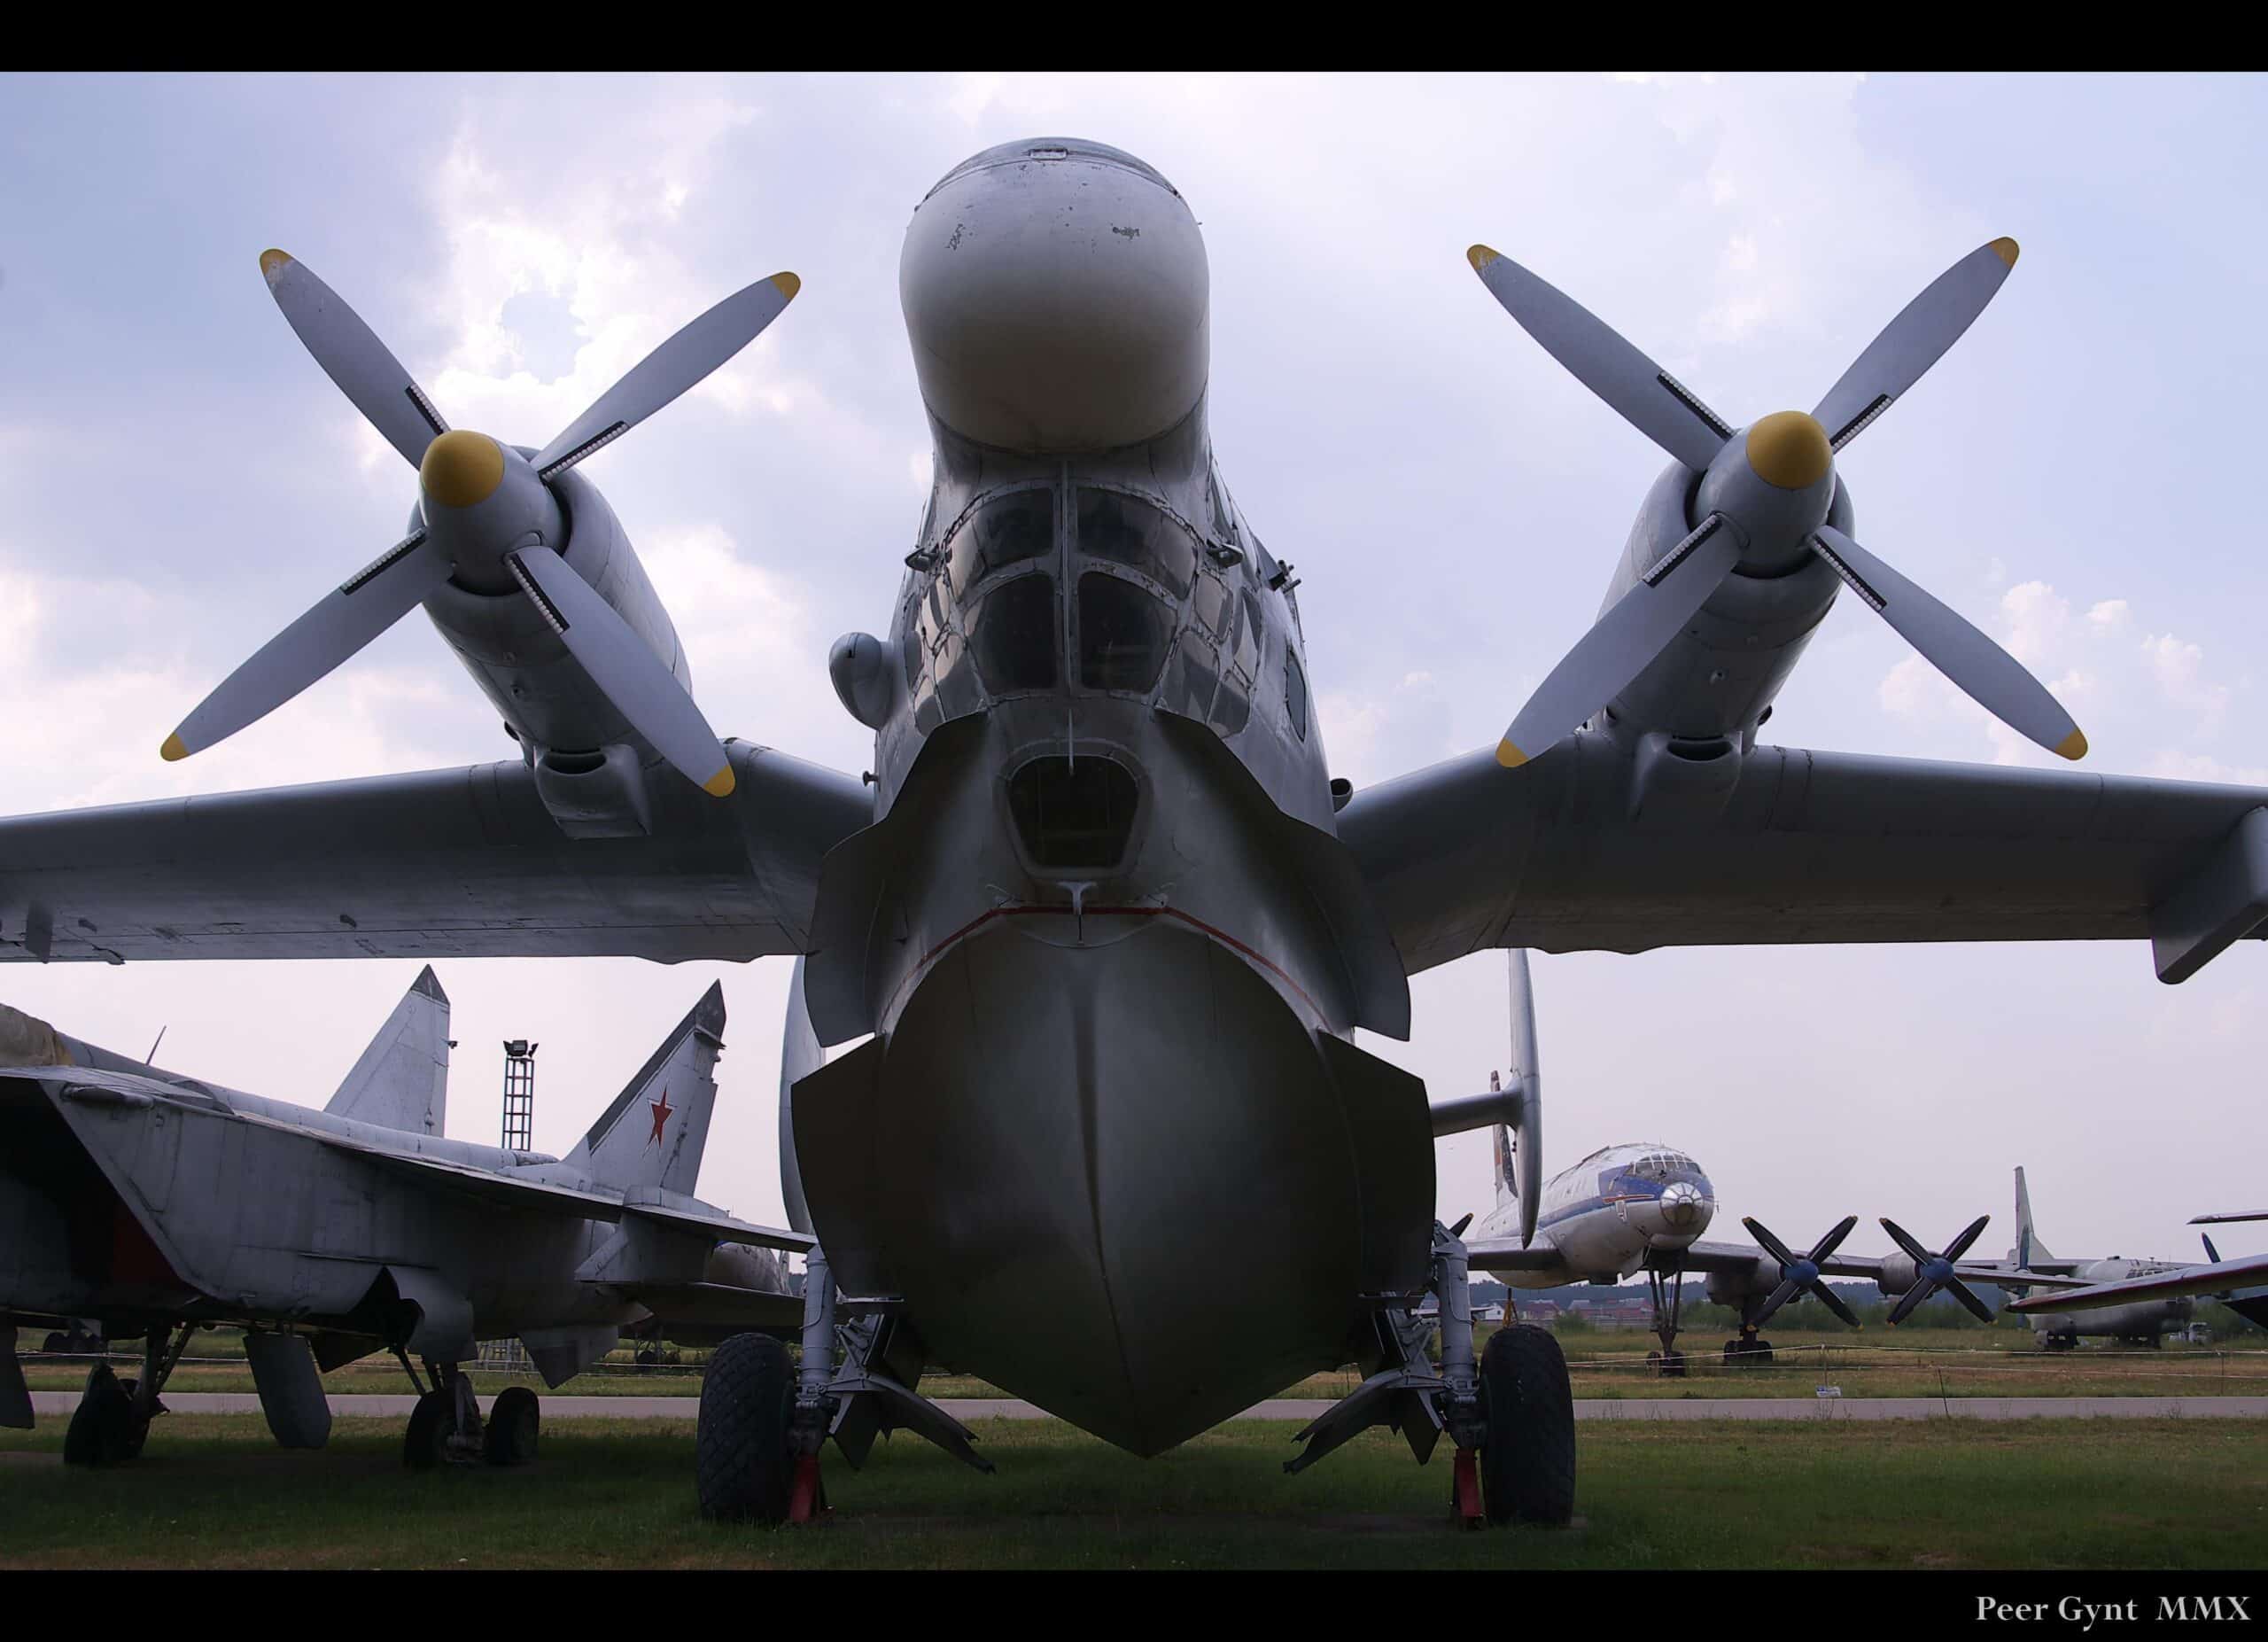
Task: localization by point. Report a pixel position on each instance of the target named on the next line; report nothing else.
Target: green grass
(213, 1490)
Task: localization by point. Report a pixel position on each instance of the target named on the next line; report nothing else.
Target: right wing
(465, 862)
(1504, 1254)
(2195, 1280)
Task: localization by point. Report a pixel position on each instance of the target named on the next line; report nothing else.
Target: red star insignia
(661, 1110)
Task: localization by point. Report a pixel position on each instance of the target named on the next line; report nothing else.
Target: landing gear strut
(112, 1420)
(1665, 1288)
(446, 1429)
(1747, 1351)
(762, 1424)
(1510, 1415)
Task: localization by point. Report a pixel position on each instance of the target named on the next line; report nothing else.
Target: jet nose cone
(461, 469)
(1056, 296)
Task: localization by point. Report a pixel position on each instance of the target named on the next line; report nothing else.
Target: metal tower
(519, 1094)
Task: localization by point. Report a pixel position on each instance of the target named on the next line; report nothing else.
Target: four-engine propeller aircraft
(2138, 1300)
(1643, 1207)
(162, 1204)
(1109, 921)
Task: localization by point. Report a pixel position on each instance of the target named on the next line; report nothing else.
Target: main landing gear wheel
(741, 1466)
(1528, 1458)
(103, 1430)
(433, 1423)
(514, 1421)
(1671, 1364)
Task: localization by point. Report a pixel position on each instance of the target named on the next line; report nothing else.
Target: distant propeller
(1800, 1272)
(1933, 1272)
(491, 523)
(1763, 499)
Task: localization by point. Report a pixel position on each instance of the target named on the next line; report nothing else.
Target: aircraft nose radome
(1056, 295)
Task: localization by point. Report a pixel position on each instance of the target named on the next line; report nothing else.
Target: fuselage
(2143, 1321)
(1102, 923)
(1609, 1212)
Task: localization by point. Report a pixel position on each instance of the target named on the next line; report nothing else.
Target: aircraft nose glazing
(1681, 1206)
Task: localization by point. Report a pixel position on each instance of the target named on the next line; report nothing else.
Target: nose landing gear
(1665, 1289)
(112, 1420)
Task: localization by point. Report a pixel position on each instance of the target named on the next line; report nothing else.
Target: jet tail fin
(652, 1135)
(402, 1079)
(1519, 1163)
(2028, 1248)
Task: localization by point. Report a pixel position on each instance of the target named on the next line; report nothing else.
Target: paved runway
(61, 1402)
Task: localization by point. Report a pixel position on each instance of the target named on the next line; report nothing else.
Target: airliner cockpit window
(1123, 633)
(1013, 629)
(1131, 532)
(1004, 530)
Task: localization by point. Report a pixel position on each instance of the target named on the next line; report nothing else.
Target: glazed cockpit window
(1013, 629)
(1295, 694)
(1073, 813)
(1124, 632)
(1131, 532)
(1007, 530)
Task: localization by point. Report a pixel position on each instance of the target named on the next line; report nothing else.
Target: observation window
(1189, 686)
(1124, 632)
(1013, 629)
(1129, 531)
(1076, 812)
(1007, 530)
(1295, 694)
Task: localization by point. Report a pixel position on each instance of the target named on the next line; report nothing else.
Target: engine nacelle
(1896, 1276)
(1732, 1287)
(589, 763)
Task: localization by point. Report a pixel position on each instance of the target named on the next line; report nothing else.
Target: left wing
(1504, 1254)
(2195, 1280)
(465, 861)
(1808, 846)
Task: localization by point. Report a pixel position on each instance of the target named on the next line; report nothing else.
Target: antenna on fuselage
(150, 1057)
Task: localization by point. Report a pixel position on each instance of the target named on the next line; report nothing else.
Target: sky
(178, 480)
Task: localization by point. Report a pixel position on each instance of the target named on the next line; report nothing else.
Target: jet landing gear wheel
(1670, 1364)
(741, 1466)
(1528, 1458)
(513, 1420)
(103, 1430)
(433, 1423)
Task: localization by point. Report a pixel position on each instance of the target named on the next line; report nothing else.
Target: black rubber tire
(432, 1424)
(1673, 1365)
(1763, 1352)
(101, 1432)
(1528, 1458)
(57, 1341)
(515, 1421)
(646, 1357)
(742, 1466)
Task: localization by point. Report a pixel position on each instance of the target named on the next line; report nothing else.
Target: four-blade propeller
(1800, 1272)
(1933, 1272)
(491, 523)
(1763, 500)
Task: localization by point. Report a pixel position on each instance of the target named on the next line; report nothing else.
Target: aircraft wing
(1504, 1254)
(714, 1306)
(464, 861)
(1744, 1260)
(2223, 1219)
(1808, 846)
(2196, 1280)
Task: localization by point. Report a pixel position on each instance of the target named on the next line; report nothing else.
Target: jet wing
(2195, 1280)
(2223, 1219)
(714, 1306)
(1504, 1254)
(717, 1223)
(1808, 846)
(464, 861)
(1742, 1259)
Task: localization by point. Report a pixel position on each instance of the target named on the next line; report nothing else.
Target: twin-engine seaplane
(1104, 918)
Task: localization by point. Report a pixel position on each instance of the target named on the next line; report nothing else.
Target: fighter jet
(2141, 1301)
(161, 1204)
(1643, 1208)
(1109, 921)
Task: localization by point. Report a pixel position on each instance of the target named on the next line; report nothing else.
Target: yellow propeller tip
(2073, 746)
(172, 751)
(271, 262)
(788, 284)
(719, 785)
(1480, 257)
(1510, 757)
(2005, 249)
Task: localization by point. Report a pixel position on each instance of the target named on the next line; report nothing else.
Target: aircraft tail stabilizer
(651, 1138)
(1519, 1163)
(402, 1079)
(2028, 1248)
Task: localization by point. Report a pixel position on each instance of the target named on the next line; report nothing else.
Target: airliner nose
(1055, 294)
(1683, 1208)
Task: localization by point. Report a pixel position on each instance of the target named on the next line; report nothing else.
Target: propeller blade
(1922, 1290)
(1968, 1296)
(1826, 1297)
(339, 625)
(351, 355)
(1833, 1240)
(1650, 398)
(1994, 680)
(677, 365)
(1623, 641)
(1787, 1290)
(1912, 342)
(1770, 1244)
(1960, 1245)
(2212, 1255)
(626, 672)
(1898, 1235)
